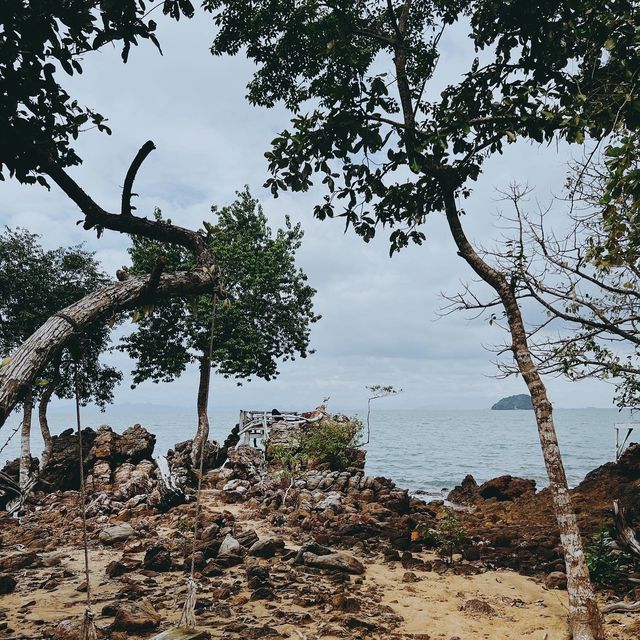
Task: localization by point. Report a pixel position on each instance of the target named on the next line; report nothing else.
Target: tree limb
(126, 208)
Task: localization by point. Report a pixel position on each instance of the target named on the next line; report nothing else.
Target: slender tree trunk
(25, 442)
(43, 405)
(202, 433)
(584, 617)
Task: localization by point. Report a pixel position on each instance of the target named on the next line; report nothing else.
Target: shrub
(447, 537)
(603, 563)
(332, 442)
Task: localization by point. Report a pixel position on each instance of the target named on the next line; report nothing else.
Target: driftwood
(625, 535)
(182, 634)
(18, 375)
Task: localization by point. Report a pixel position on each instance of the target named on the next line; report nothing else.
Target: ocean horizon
(423, 450)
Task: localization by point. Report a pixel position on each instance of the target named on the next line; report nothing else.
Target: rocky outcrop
(505, 488)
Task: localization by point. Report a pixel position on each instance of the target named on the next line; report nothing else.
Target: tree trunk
(27, 361)
(43, 405)
(25, 442)
(202, 434)
(584, 617)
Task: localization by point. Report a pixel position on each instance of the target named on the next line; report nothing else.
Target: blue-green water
(421, 450)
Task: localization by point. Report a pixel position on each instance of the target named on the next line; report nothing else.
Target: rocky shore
(318, 554)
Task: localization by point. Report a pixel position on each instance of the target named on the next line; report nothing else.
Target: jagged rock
(136, 616)
(116, 533)
(63, 473)
(135, 444)
(505, 488)
(465, 493)
(229, 546)
(67, 630)
(126, 564)
(246, 462)
(17, 561)
(7, 584)
(266, 548)
(333, 501)
(334, 562)
(157, 558)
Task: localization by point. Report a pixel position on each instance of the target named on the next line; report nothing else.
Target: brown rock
(334, 562)
(7, 584)
(478, 608)
(136, 616)
(506, 488)
(556, 580)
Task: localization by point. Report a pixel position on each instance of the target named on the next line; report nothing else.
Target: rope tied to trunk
(188, 616)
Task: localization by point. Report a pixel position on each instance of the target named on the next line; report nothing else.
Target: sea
(425, 451)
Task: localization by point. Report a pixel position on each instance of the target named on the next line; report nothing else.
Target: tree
(358, 77)
(378, 391)
(42, 39)
(266, 316)
(36, 283)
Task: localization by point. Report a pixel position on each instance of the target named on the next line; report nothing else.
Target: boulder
(18, 561)
(135, 444)
(266, 548)
(465, 493)
(157, 558)
(67, 630)
(116, 533)
(229, 546)
(506, 488)
(556, 580)
(136, 616)
(334, 562)
(7, 584)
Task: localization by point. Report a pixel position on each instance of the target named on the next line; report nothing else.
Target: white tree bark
(17, 377)
(25, 440)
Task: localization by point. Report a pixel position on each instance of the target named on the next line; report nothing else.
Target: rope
(88, 623)
(188, 617)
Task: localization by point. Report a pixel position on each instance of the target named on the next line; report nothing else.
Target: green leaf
(5, 361)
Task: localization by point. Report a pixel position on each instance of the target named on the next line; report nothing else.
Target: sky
(381, 317)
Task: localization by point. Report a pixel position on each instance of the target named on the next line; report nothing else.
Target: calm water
(420, 450)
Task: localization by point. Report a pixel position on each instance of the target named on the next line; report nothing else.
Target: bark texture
(17, 377)
(43, 405)
(25, 440)
(202, 434)
(584, 617)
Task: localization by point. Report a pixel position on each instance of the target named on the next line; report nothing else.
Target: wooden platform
(182, 634)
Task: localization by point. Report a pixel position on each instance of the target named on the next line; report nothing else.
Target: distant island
(521, 401)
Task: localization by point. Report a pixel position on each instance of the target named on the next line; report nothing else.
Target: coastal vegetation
(389, 144)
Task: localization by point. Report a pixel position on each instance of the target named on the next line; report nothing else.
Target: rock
(135, 444)
(345, 603)
(126, 564)
(67, 630)
(333, 501)
(556, 580)
(506, 488)
(466, 492)
(136, 616)
(334, 562)
(157, 558)
(230, 546)
(17, 561)
(7, 584)
(478, 607)
(266, 548)
(409, 576)
(116, 533)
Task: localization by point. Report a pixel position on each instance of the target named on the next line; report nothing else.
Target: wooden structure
(255, 425)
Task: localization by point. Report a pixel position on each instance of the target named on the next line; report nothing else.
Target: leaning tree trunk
(43, 405)
(27, 361)
(202, 433)
(584, 617)
(25, 440)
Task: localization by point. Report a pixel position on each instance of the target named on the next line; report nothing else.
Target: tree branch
(126, 208)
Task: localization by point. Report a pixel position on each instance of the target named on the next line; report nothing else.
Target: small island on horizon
(517, 402)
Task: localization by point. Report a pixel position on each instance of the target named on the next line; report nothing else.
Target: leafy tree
(36, 284)
(389, 149)
(265, 318)
(41, 39)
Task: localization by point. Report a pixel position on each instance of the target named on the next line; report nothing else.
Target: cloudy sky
(380, 316)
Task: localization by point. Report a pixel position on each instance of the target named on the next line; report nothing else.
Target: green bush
(332, 442)
(447, 537)
(604, 564)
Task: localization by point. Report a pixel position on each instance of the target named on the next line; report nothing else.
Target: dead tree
(19, 373)
(585, 618)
